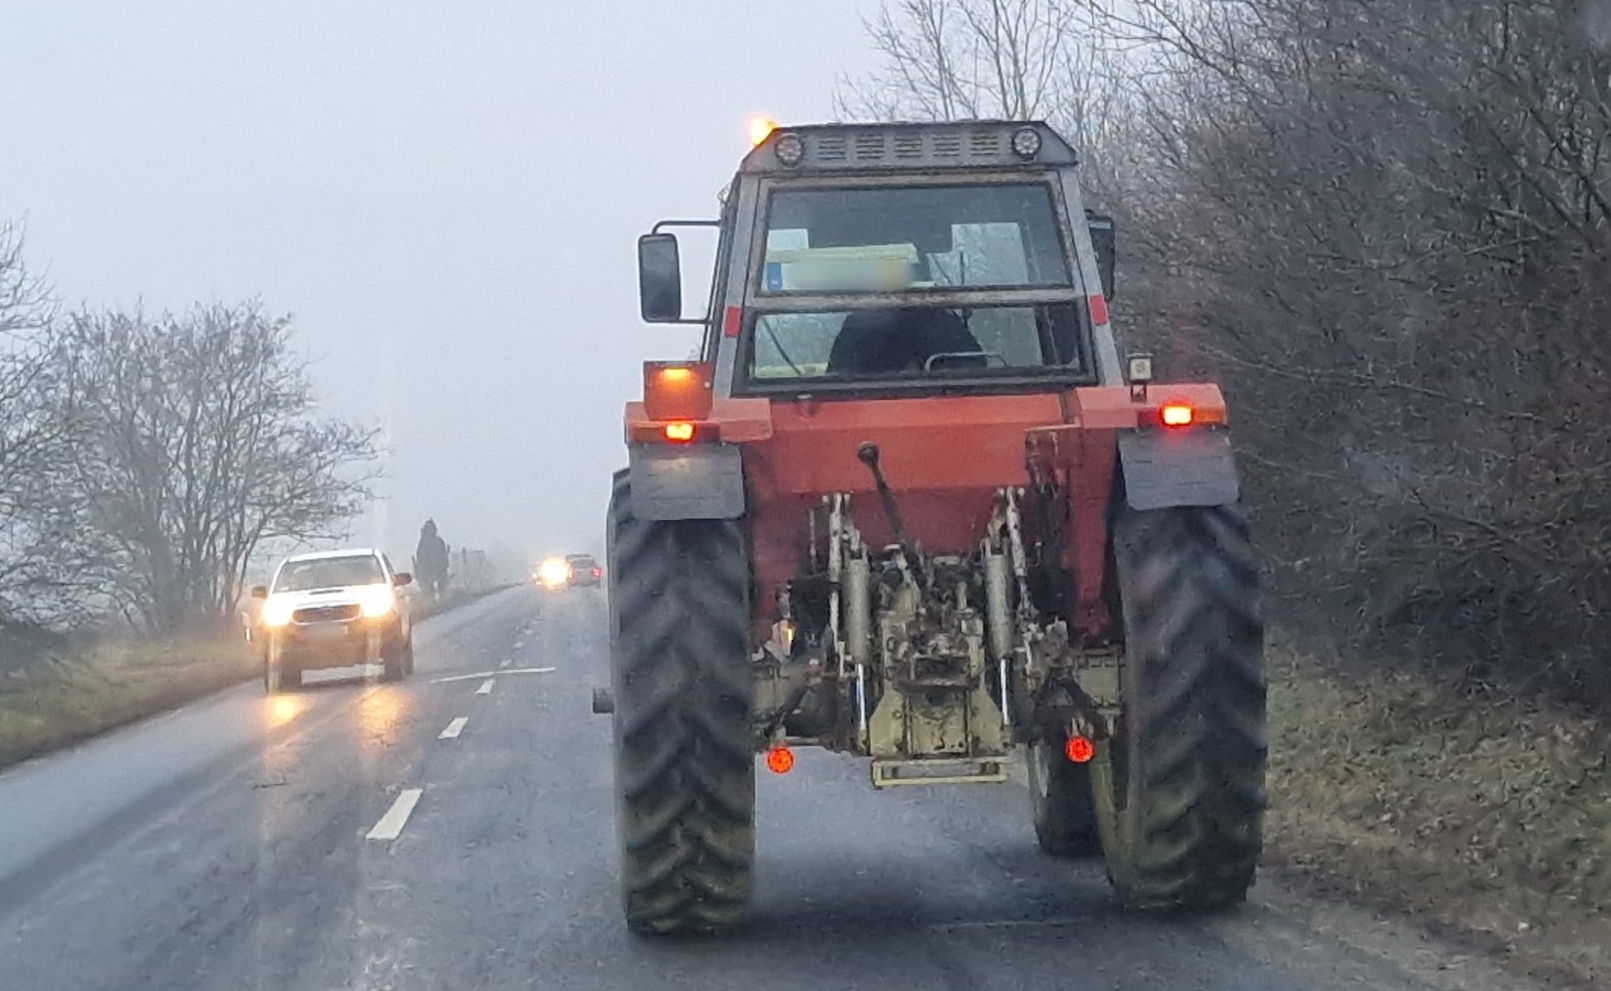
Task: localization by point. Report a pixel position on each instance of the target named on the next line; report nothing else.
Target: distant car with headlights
(334, 609)
(585, 572)
(553, 575)
(557, 574)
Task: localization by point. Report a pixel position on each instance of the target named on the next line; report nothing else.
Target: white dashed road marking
(461, 677)
(453, 729)
(488, 674)
(519, 644)
(391, 824)
(486, 687)
(506, 662)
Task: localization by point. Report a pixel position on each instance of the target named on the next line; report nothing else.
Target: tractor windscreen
(883, 238)
(918, 342)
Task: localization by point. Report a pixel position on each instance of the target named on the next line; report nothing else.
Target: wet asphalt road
(244, 843)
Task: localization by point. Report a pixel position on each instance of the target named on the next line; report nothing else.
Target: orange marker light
(1176, 415)
(680, 432)
(780, 760)
(677, 375)
(760, 127)
(1080, 749)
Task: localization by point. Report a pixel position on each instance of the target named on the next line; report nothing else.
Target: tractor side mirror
(1105, 244)
(402, 578)
(659, 278)
(259, 592)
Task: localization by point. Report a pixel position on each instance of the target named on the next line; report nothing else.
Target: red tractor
(909, 505)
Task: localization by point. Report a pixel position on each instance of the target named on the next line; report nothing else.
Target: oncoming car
(553, 574)
(556, 574)
(334, 609)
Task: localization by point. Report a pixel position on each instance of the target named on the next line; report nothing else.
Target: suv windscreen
(882, 239)
(329, 572)
(916, 341)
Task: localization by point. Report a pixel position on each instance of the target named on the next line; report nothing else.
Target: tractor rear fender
(687, 482)
(699, 474)
(1191, 466)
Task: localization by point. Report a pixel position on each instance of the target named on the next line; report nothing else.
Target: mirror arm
(683, 223)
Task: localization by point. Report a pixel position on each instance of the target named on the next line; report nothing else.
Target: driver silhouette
(884, 342)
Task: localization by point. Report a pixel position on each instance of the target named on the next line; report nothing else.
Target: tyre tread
(1195, 711)
(679, 616)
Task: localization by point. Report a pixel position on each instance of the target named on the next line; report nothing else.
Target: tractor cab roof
(922, 147)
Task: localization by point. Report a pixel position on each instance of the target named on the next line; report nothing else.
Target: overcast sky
(444, 195)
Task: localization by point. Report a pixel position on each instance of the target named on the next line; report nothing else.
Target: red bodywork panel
(945, 457)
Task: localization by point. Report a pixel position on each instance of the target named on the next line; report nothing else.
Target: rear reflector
(1080, 749)
(780, 760)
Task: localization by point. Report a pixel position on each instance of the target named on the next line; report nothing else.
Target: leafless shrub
(1387, 229)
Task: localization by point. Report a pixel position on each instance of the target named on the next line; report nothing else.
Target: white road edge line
(453, 729)
(486, 687)
(391, 824)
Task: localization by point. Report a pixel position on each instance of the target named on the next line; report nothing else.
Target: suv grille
(325, 614)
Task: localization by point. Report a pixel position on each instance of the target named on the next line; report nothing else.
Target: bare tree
(1387, 229)
(43, 568)
(203, 442)
(973, 59)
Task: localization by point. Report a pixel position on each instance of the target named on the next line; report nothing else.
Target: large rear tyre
(684, 762)
(1063, 803)
(1181, 785)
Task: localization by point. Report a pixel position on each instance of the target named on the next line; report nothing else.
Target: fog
(445, 195)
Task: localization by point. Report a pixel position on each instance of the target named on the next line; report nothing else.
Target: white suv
(334, 609)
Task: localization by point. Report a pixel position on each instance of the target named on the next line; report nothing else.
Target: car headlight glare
(277, 611)
(377, 601)
(554, 572)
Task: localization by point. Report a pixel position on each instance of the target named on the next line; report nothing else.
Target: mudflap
(1172, 467)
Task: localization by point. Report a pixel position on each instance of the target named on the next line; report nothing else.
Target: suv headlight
(554, 572)
(377, 601)
(276, 611)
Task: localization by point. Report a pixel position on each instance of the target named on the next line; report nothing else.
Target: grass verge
(69, 698)
(1490, 818)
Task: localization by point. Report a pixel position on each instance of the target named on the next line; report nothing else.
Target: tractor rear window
(916, 342)
(881, 239)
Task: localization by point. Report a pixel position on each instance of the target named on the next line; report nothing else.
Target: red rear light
(597, 572)
(1176, 415)
(1080, 749)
